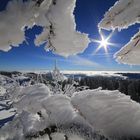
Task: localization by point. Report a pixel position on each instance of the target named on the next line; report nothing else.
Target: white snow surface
(7, 83)
(6, 113)
(109, 112)
(122, 15)
(60, 136)
(57, 20)
(36, 99)
(2, 91)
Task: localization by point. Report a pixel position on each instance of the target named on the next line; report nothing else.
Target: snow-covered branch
(130, 53)
(55, 16)
(122, 15)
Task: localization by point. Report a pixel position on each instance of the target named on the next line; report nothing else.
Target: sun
(103, 43)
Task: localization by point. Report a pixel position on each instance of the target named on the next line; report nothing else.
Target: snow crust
(57, 20)
(122, 15)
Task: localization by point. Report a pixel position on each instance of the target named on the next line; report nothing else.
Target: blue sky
(88, 14)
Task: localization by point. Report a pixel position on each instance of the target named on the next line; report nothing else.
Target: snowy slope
(122, 15)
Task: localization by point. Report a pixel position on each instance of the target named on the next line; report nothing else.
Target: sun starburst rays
(103, 43)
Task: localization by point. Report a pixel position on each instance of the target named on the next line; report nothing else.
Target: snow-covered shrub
(90, 114)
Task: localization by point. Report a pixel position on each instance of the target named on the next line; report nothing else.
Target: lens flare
(104, 42)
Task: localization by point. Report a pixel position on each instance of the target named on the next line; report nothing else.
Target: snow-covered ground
(2, 91)
(6, 113)
(87, 115)
(7, 83)
(5, 108)
(60, 136)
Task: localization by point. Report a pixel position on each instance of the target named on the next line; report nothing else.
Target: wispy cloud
(74, 60)
(81, 61)
(102, 54)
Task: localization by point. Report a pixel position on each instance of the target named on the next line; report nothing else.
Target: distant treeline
(127, 86)
(9, 74)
